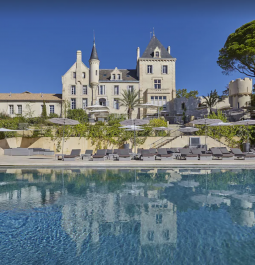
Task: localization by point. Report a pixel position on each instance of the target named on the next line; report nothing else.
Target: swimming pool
(153, 216)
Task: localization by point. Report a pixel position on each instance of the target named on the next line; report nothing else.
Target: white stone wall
(109, 95)
(29, 109)
(68, 80)
(167, 80)
(240, 91)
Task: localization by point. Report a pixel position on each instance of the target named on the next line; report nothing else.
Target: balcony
(158, 91)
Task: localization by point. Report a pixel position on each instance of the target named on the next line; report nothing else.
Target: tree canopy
(184, 93)
(130, 99)
(211, 100)
(238, 53)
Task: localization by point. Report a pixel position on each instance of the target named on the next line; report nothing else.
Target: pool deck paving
(50, 162)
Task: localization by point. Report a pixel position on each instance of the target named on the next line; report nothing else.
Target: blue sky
(39, 40)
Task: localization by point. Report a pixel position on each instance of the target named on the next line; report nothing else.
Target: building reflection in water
(141, 199)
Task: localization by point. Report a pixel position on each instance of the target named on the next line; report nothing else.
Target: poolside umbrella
(188, 129)
(96, 107)
(246, 123)
(63, 121)
(205, 122)
(162, 128)
(148, 106)
(132, 128)
(134, 122)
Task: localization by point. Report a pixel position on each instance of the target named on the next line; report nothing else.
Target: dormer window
(113, 77)
(157, 53)
(118, 76)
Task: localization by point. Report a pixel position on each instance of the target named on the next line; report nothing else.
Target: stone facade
(29, 104)
(154, 78)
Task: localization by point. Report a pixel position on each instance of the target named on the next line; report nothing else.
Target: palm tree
(211, 100)
(129, 100)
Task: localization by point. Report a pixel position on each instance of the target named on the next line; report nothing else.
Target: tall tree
(129, 100)
(44, 111)
(211, 100)
(184, 93)
(238, 53)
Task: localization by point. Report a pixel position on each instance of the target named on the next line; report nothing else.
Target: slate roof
(94, 52)
(149, 51)
(27, 96)
(127, 75)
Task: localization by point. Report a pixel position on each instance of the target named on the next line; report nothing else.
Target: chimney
(78, 56)
(10, 94)
(138, 53)
(41, 94)
(168, 49)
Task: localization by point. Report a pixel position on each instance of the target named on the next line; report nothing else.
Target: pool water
(89, 216)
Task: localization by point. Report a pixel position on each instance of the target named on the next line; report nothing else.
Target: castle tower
(240, 92)
(94, 72)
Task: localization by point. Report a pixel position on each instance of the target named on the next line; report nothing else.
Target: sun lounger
(100, 155)
(202, 155)
(187, 155)
(163, 155)
(146, 155)
(174, 151)
(21, 152)
(216, 153)
(226, 153)
(124, 155)
(240, 155)
(87, 155)
(75, 154)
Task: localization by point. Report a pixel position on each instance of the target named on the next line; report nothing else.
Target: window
(73, 90)
(118, 76)
(84, 90)
(150, 235)
(113, 76)
(83, 75)
(152, 100)
(164, 102)
(84, 103)
(74, 74)
(52, 109)
(160, 100)
(157, 84)
(11, 109)
(183, 105)
(116, 103)
(20, 109)
(131, 88)
(116, 90)
(101, 90)
(166, 234)
(164, 70)
(159, 218)
(156, 54)
(96, 72)
(73, 103)
(42, 109)
(156, 100)
(149, 69)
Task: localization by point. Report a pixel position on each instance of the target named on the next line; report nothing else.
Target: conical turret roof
(94, 53)
(149, 51)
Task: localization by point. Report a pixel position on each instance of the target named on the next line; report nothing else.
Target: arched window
(183, 105)
(157, 54)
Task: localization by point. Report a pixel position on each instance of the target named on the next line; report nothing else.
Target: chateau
(153, 78)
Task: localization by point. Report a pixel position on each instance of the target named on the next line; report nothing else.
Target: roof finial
(94, 38)
(153, 32)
